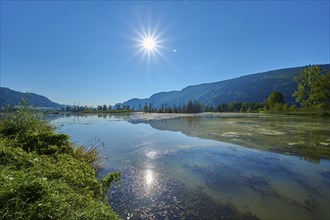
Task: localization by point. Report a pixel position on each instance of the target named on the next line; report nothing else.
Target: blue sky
(89, 52)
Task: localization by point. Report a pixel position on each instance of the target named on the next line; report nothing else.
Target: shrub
(47, 143)
(23, 122)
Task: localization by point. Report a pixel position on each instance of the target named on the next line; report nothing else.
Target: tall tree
(307, 85)
(321, 92)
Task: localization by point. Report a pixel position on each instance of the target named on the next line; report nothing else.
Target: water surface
(212, 166)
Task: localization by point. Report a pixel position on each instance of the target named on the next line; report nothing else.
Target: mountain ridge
(9, 97)
(254, 87)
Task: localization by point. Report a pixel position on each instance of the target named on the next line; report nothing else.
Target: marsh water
(211, 166)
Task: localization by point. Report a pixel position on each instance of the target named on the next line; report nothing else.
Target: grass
(44, 175)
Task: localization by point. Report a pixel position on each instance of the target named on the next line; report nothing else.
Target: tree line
(313, 93)
(99, 108)
(190, 107)
(197, 107)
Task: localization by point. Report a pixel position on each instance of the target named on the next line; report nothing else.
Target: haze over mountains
(250, 88)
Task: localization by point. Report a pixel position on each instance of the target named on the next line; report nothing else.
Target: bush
(23, 122)
(47, 143)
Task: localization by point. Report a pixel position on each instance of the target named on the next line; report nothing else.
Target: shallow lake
(211, 166)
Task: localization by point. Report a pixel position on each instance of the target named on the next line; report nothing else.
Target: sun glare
(149, 43)
(149, 178)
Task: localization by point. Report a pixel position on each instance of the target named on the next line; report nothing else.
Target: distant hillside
(251, 88)
(13, 98)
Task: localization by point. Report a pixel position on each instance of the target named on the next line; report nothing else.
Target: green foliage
(23, 122)
(31, 196)
(110, 178)
(43, 176)
(275, 102)
(239, 107)
(47, 143)
(106, 182)
(321, 92)
(274, 98)
(90, 155)
(313, 88)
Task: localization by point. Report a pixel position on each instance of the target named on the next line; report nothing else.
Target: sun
(149, 37)
(149, 43)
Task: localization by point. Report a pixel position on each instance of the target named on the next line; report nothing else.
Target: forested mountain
(250, 88)
(13, 98)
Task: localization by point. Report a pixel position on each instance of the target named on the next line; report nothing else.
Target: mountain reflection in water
(195, 166)
(303, 136)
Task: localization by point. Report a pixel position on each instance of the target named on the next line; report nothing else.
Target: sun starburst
(149, 45)
(150, 41)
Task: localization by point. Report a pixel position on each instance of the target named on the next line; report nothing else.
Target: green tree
(275, 101)
(321, 92)
(310, 87)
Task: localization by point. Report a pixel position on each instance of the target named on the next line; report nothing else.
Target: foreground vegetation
(44, 175)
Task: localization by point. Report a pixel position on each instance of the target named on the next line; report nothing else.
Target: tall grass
(43, 175)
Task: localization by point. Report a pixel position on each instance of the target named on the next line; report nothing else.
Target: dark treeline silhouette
(98, 109)
(197, 107)
(190, 107)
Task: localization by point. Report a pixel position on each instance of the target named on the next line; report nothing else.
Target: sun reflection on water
(149, 177)
(151, 154)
